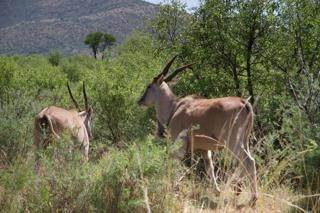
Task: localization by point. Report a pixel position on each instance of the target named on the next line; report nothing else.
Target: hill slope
(38, 26)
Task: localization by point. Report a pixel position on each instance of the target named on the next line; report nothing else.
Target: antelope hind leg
(249, 170)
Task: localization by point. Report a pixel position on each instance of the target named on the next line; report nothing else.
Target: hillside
(38, 26)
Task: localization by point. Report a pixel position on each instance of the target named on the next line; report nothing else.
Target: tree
(99, 41)
(169, 25)
(107, 41)
(294, 52)
(227, 36)
(268, 49)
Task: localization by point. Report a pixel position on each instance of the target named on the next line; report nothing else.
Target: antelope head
(151, 94)
(85, 115)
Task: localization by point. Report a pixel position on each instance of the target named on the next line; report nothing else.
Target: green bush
(55, 58)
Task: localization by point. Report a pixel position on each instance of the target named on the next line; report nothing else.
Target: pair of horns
(165, 70)
(84, 96)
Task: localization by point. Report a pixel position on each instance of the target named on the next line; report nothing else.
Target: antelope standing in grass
(55, 120)
(223, 123)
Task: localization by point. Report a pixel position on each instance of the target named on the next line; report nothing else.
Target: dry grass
(202, 198)
(195, 194)
(144, 178)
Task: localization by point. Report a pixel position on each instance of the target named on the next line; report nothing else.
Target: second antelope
(55, 120)
(223, 123)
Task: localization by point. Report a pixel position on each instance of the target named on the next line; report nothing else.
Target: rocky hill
(39, 26)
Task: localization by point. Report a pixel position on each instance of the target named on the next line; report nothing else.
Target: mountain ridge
(39, 26)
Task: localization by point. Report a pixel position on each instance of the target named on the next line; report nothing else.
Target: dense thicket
(268, 50)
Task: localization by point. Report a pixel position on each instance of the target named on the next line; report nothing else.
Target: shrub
(55, 58)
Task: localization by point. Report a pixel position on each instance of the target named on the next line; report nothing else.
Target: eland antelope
(222, 123)
(55, 120)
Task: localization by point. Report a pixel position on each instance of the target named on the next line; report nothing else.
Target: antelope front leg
(86, 152)
(207, 155)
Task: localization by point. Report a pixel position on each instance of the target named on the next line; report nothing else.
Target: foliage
(107, 41)
(99, 41)
(294, 53)
(169, 26)
(7, 71)
(55, 58)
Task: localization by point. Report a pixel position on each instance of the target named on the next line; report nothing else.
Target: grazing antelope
(57, 120)
(222, 123)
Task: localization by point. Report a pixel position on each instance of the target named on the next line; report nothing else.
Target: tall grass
(119, 180)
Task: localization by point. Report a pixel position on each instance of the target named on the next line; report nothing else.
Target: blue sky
(190, 3)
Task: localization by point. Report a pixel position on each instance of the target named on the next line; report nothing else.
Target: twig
(185, 173)
(306, 196)
(146, 199)
(285, 201)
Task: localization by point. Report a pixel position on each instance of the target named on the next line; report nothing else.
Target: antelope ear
(160, 80)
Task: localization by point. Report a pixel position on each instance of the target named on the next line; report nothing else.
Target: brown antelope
(222, 123)
(57, 120)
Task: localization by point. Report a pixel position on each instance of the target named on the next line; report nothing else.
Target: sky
(190, 3)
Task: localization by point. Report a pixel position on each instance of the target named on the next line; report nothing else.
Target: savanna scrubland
(268, 50)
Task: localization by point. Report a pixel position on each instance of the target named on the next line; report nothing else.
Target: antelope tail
(249, 123)
(51, 126)
(39, 125)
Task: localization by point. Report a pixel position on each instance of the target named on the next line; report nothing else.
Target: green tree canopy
(99, 41)
(170, 24)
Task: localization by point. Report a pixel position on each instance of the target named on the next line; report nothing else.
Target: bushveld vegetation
(266, 50)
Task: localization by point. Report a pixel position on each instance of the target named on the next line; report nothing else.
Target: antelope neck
(166, 104)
